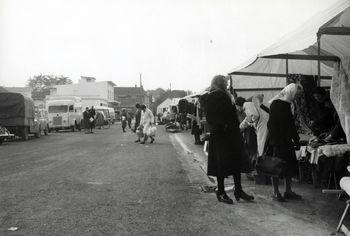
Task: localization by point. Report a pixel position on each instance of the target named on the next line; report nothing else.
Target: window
(58, 109)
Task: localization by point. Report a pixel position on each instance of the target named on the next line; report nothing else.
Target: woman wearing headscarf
(257, 118)
(284, 138)
(225, 141)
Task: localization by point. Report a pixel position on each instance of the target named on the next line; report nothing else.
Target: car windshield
(58, 109)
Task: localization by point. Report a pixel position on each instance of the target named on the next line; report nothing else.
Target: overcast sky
(182, 42)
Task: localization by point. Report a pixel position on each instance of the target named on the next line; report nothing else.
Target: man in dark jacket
(225, 142)
(137, 120)
(87, 123)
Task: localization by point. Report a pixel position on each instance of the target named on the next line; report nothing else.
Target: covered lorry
(18, 116)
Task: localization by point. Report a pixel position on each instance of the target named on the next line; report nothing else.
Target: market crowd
(246, 136)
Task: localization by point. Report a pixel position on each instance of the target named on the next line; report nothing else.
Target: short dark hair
(137, 105)
(143, 106)
(240, 101)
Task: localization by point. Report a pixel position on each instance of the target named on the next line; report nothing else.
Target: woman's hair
(239, 101)
(137, 105)
(218, 82)
(143, 106)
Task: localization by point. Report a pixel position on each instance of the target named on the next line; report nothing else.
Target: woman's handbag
(270, 166)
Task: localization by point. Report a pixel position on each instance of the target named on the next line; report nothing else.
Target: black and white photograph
(164, 117)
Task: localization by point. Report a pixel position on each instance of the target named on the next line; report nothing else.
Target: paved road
(105, 184)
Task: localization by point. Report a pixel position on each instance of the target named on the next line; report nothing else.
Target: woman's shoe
(224, 198)
(278, 197)
(241, 194)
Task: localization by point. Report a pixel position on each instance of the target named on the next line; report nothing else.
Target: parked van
(18, 116)
(65, 112)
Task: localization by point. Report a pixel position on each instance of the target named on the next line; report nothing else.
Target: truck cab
(64, 113)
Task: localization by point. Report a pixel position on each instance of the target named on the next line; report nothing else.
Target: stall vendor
(324, 117)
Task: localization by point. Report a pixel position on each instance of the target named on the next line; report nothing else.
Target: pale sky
(182, 42)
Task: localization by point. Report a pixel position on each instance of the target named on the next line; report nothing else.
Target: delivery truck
(65, 112)
(17, 114)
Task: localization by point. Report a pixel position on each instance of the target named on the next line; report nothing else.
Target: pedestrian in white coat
(147, 120)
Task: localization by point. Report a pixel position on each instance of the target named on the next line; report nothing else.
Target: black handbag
(270, 165)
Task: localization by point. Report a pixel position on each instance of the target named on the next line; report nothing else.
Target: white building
(167, 104)
(91, 92)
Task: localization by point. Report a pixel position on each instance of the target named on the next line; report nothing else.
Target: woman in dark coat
(225, 142)
(284, 138)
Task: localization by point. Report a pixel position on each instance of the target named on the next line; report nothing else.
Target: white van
(65, 112)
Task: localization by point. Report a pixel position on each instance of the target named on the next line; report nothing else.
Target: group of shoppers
(89, 117)
(144, 124)
(231, 121)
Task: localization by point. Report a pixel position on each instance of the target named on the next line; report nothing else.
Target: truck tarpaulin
(15, 109)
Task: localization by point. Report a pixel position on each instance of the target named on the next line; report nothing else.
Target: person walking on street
(92, 118)
(86, 120)
(225, 141)
(284, 139)
(124, 119)
(137, 121)
(147, 119)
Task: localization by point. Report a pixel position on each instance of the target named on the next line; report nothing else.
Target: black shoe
(143, 142)
(278, 197)
(292, 196)
(137, 141)
(224, 198)
(241, 194)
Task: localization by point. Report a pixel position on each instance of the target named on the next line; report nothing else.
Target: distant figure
(86, 118)
(147, 119)
(100, 117)
(124, 116)
(93, 118)
(137, 121)
(130, 116)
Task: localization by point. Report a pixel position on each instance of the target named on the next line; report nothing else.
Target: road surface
(105, 184)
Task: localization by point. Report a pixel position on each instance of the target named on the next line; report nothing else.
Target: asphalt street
(105, 184)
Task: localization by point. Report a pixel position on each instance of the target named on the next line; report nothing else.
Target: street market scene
(174, 118)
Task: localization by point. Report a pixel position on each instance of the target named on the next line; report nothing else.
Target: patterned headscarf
(288, 93)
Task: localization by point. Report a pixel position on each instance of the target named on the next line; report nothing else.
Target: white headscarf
(251, 111)
(288, 93)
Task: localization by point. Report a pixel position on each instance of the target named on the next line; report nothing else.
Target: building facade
(91, 92)
(129, 96)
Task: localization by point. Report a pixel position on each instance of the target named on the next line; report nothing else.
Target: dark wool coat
(283, 135)
(225, 143)
(86, 117)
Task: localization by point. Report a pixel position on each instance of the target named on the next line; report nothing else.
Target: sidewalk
(317, 214)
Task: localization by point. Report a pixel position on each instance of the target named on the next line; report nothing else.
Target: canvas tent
(296, 53)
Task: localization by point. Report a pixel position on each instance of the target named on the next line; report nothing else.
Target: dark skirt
(287, 153)
(223, 158)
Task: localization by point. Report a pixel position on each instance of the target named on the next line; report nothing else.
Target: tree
(41, 84)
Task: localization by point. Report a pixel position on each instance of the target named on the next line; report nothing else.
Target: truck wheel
(25, 134)
(38, 134)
